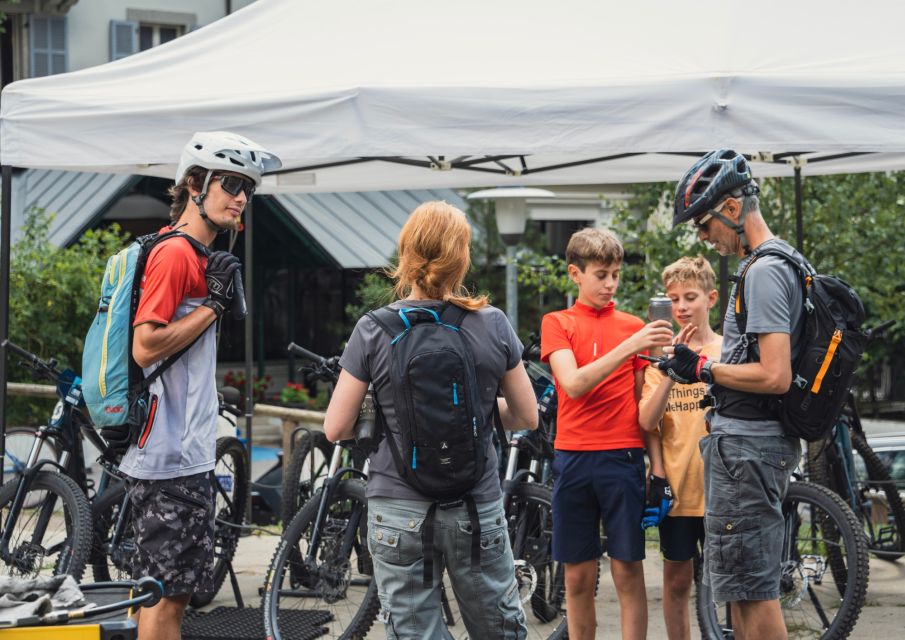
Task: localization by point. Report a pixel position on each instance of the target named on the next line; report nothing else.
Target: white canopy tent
(446, 84)
(392, 94)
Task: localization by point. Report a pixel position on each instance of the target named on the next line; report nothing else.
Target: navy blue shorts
(590, 486)
(681, 537)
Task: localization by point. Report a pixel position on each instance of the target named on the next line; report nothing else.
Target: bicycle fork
(334, 473)
(15, 509)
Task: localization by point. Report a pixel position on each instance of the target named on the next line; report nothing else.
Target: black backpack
(439, 448)
(439, 444)
(830, 344)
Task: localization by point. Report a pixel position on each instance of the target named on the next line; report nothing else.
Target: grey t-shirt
(773, 299)
(496, 350)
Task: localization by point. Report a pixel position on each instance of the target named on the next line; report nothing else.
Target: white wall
(88, 23)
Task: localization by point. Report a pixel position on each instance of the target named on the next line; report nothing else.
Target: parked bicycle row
(415, 518)
(527, 500)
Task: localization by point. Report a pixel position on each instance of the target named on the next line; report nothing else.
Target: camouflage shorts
(173, 522)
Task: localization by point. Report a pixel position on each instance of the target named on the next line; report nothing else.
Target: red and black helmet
(718, 174)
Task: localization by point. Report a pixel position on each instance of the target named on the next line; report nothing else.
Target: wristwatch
(706, 374)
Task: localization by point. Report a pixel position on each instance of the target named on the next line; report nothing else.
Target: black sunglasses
(233, 184)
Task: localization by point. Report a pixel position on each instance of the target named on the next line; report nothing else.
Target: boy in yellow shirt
(674, 412)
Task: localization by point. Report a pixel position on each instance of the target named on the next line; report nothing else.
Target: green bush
(53, 299)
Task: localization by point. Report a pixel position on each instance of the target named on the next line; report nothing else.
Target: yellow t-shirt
(681, 429)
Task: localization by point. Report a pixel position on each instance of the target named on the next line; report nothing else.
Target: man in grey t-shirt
(748, 460)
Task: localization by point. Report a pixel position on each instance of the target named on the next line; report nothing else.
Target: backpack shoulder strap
(388, 320)
(148, 242)
(452, 315)
(803, 267)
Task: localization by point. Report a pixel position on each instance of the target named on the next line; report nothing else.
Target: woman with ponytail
(405, 526)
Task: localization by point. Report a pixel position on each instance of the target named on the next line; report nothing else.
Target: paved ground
(883, 617)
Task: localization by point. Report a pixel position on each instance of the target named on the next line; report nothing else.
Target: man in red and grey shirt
(183, 294)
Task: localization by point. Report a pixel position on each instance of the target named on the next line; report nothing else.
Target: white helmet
(225, 151)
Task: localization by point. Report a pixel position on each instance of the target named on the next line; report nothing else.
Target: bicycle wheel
(231, 493)
(19, 441)
(111, 560)
(305, 472)
(540, 580)
(52, 532)
(885, 539)
(336, 591)
(818, 523)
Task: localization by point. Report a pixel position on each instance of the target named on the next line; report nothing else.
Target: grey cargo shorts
(745, 481)
(173, 522)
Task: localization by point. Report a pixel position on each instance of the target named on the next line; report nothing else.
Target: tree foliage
(53, 295)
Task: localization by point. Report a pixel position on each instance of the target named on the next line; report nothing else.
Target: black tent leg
(249, 342)
(724, 289)
(799, 223)
(6, 183)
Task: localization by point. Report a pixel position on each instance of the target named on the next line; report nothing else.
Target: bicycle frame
(335, 473)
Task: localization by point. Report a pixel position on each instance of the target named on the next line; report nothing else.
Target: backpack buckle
(799, 382)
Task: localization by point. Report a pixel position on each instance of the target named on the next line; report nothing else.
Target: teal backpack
(114, 386)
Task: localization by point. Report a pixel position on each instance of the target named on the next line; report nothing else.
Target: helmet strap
(199, 202)
(738, 227)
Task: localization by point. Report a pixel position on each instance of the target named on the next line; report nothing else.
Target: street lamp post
(511, 216)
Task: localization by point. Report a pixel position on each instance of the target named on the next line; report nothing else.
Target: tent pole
(799, 223)
(6, 183)
(724, 288)
(249, 343)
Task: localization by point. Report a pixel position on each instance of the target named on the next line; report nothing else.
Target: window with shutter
(123, 38)
(49, 53)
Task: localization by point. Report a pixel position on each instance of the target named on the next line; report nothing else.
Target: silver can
(660, 308)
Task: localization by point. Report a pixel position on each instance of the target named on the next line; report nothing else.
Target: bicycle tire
(111, 563)
(18, 445)
(343, 585)
(811, 511)
(67, 537)
(230, 496)
(305, 471)
(890, 545)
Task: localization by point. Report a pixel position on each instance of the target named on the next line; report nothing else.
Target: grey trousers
(488, 596)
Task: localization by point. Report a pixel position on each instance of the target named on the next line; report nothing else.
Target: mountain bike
(831, 463)
(43, 508)
(111, 511)
(824, 570)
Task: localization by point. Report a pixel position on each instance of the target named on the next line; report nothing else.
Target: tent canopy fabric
(436, 82)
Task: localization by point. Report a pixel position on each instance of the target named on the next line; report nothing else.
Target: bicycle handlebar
(302, 352)
(47, 369)
(875, 332)
(531, 351)
(325, 368)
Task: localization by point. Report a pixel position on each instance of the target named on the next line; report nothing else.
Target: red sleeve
(167, 280)
(638, 363)
(553, 336)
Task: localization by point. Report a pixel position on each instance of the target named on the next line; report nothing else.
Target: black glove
(659, 501)
(684, 366)
(221, 266)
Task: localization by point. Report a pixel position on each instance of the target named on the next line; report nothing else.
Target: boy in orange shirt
(599, 462)
(673, 411)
